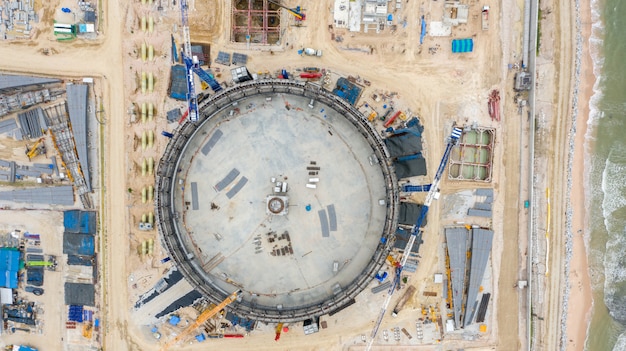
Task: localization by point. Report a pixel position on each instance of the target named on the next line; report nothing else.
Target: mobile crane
(192, 65)
(202, 318)
(417, 229)
(37, 149)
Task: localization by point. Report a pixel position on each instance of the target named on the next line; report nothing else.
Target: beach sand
(580, 301)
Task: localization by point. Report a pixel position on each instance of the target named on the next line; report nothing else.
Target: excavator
(297, 13)
(202, 318)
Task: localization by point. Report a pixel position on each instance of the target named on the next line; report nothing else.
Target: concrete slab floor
(237, 239)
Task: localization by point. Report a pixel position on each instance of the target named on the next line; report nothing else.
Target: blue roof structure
(347, 90)
(26, 348)
(462, 45)
(174, 320)
(178, 84)
(81, 222)
(9, 266)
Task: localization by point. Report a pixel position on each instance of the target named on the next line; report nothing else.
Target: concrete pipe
(150, 82)
(150, 138)
(150, 193)
(150, 165)
(150, 52)
(144, 167)
(151, 217)
(143, 23)
(150, 24)
(143, 82)
(144, 140)
(150, 246)
(143, 218)
(150, 111)
(143, 52)
(144, 192)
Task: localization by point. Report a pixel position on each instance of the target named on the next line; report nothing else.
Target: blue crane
(192, 99)
(192, 65)
(417, 229)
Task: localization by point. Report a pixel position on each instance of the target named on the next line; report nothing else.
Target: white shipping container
(314, 180)
(311, 186)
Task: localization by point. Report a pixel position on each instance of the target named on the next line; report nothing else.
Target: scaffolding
(256, 21)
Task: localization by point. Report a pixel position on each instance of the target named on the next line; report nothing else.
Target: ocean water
(606, 178)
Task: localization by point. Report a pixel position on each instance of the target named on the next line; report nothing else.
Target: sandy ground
(49, 224)
(423, 81)
(579, 311)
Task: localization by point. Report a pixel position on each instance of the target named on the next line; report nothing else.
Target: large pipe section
(150, 52)
(143, 82)
(150, 82)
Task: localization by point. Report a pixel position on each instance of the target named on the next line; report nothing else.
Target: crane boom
(192, 99)
(417, 230)
(202, 318)
(299, 15)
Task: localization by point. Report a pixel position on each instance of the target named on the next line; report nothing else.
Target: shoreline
(580, 298)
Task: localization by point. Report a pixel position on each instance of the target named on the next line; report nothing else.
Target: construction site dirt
(397, 78)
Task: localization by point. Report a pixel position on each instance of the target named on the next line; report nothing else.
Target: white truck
(485, 15)
(312, 52)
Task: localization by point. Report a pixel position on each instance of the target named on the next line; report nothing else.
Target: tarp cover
(409, 213)
(77, 221)
(403, 144)
(410, 168)
(462, 45)
(78, 244)
(79, 294)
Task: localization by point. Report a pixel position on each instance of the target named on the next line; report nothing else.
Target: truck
(485, 15)
(312, 52)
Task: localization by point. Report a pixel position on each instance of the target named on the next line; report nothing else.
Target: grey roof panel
(482, 206)
(332, 218)
(227, 180)
(234, 190)
(484, 192)
(482, 240)
(16, 81)
(478, 213)
(77, 109)
(194, 196)
(212, 141)
(456, 239)
(8, 125)
(59, 195)
(324, 223)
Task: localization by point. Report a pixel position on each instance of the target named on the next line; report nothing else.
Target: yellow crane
(202, 318)
(38, 148)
